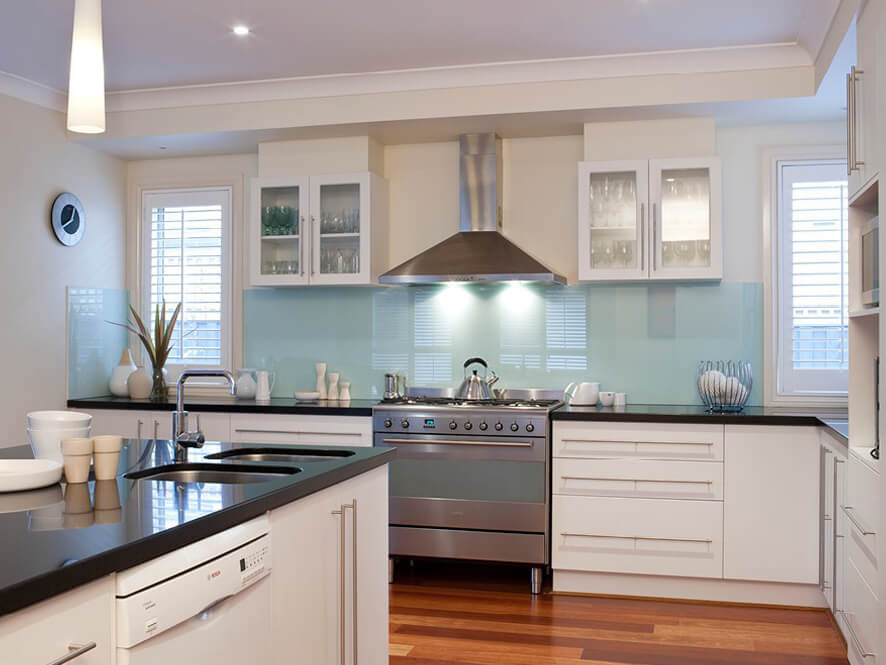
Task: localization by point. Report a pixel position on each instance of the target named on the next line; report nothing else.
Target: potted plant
(158, 348)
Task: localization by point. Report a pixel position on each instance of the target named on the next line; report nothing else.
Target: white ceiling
(158, 43)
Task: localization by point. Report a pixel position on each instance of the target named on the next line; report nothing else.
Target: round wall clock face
(68, 219)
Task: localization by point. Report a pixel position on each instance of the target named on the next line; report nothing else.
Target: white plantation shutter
(186, 236)
(566, 330)
(813, 278)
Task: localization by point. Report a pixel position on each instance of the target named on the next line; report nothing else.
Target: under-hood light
(86, 85)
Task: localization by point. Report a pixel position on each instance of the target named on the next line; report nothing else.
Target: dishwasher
(208, 602)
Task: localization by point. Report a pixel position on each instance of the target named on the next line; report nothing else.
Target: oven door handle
(451, 442)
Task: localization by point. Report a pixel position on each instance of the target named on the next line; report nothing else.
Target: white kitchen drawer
(305, 430)
(862, 607)
(646, 536)
(638, 478)
(638, 440)
(862, 507)
(860, 554)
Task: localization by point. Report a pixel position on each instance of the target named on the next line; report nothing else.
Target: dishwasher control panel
(197, 592)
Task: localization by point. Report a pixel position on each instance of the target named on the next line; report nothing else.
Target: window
(186, 258)
(812, 295)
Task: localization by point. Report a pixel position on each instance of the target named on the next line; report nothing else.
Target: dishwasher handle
(74, 651)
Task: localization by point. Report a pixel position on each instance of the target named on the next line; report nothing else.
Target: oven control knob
(404, 424)
(388, 422)
(483, 425)
(452, 424)
(499, 426)
(468, 425)
(530, 427)
(514, 427)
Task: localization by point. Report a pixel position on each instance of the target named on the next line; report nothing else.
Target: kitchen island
(71, 539)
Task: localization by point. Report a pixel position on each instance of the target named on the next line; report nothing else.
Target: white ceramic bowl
(46, 444)
(306, 395)
(607, 398)
(58, 419)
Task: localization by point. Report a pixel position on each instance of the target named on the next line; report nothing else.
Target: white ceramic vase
(321, 379)
(139, 383)
(120, 375)
(344, 394)
(332, 391)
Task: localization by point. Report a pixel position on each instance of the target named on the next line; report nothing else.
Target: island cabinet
(55, 628)
(703, 511)
(330, 593)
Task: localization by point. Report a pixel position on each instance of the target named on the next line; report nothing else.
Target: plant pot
(159, 389)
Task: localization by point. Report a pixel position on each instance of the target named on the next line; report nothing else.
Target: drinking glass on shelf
(267, 267)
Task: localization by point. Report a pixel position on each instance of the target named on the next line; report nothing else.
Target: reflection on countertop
(225, 404)
(62, 536)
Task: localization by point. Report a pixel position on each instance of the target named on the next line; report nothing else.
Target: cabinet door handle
(138, 429)
(313, 225)
(340, 513)
(849, 124)
(294, 432)
(301, 245)
(567, 534)
(642, 480)
(654, 250)
(641, 248)
(156, 429)
(74, 651)
(353, 507)
(858, 645)
(854, 520)
(853, 90)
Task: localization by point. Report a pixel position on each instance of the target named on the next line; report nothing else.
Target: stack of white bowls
(47, 429)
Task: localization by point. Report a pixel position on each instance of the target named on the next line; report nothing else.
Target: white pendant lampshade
(86, 86)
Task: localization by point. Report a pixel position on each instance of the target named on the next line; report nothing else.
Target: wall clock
(68, 219)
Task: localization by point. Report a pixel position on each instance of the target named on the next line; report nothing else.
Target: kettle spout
(493, 380)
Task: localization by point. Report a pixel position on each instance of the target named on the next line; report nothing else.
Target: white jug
(585, 393)
(264, 383)
(245, 386)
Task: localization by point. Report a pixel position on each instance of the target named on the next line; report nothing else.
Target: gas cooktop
(449, 402)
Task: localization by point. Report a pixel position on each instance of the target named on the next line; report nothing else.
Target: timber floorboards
(458, 614)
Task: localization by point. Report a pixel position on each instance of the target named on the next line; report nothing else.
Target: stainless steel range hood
(478, 252)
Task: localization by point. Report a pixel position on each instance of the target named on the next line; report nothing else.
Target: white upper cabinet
(327, 229)
(861, 99)
(658, 219)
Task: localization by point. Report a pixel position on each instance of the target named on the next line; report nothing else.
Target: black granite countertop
(679, 413)
(224, 404)
(60, 537)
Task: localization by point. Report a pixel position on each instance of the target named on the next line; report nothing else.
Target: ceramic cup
(107, 455)
(621, 399)
(607, 397)
(77, 454)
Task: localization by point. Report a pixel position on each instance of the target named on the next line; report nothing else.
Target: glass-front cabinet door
(685, 220)
(340, 226)
(279, 237)
(612, 215)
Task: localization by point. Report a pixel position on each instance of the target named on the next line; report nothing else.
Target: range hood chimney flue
(478, 252)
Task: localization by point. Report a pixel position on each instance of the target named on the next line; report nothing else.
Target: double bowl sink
(236, 472)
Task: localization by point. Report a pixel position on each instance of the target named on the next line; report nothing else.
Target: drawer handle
(642, 480)
(285, 431)
(864, 532)
(567, 534)
(447, 442)
(637, 443)
(854, 637)
(74, 651)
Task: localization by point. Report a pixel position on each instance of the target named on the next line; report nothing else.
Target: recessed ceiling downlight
(240, 30)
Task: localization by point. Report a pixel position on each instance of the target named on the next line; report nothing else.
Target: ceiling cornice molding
(31, 91)
(721, 59)
(833, 37)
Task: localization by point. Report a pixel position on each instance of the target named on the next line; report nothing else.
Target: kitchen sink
(280, 454)
(197, 472)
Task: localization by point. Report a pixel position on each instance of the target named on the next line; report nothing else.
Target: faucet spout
(182, 438)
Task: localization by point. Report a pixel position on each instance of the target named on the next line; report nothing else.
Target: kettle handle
(571, 387)
(471, 361)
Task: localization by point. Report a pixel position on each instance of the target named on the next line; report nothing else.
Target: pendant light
(86, 86)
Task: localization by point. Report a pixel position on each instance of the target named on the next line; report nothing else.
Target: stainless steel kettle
(475, 386)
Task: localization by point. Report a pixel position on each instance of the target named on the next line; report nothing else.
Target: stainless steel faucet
(180, 435)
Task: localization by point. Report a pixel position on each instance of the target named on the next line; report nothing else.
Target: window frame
(773, 259)
(226, 328)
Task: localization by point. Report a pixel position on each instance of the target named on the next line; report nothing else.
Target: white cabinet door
(330, 597)
(771, 504)
(308, 430)
(638, 478)
(612, 220)
(685, 221)
(44, 632)
(341, 228)
(135, 424)
(279, 237)
(865, 90)
(215, 426)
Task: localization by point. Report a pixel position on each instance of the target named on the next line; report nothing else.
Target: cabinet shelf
(279, 238)
(860, 313)
(339, 235)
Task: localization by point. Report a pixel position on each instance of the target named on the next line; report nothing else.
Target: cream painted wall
(740, 150)
(39, 162)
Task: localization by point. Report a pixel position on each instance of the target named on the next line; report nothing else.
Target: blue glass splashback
(94, 346)
(644, 340)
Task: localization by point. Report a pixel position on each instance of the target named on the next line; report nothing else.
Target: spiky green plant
(159, 347)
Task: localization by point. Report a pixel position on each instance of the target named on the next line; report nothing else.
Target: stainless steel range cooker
(470, 480)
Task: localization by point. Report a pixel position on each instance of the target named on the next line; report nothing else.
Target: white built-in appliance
(208, 602)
